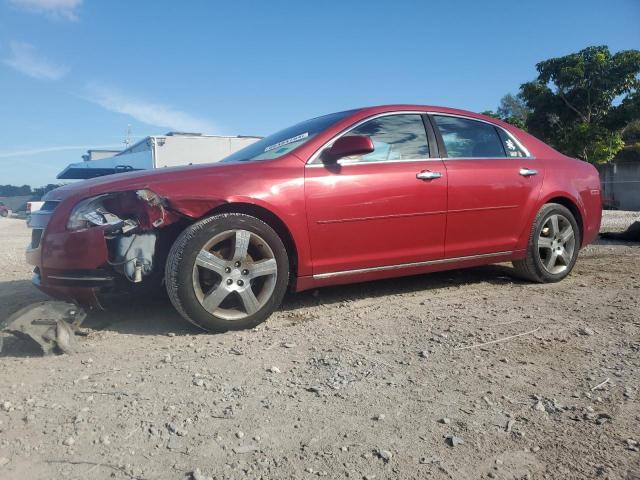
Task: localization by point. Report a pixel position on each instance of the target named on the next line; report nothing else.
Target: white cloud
(56, 148)
(66, 9)
(25, 59)
(147, 112)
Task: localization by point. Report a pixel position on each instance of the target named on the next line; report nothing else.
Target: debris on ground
(454, 441)
(148, 396)
(51, 325)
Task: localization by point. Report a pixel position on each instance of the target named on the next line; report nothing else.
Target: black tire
(531, 268)
(182, 257)
(4, 213)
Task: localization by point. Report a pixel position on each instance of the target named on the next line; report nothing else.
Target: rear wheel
(227, 272)
(554, 243)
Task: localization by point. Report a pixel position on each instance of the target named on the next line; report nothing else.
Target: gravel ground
(618, 220)
(378, 380)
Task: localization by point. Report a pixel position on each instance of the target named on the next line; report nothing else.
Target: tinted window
(464, 138)
(395, 137)
(511, 147)
(286, 140)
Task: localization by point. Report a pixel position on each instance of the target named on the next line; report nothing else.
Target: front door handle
(528, 172)
(427, 175)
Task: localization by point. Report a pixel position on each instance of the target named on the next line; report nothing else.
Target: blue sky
(75, 73)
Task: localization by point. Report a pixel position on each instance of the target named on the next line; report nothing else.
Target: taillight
(28, 207)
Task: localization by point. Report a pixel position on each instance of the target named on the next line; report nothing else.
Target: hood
(141, 179)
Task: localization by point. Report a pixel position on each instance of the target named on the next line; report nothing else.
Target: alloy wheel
(234, 274)
(556, 244)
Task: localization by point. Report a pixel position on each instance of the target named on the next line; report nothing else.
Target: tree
(40, 191)
(25, 190)
(581, 102)
(512, 109)
(14, 191)
(631, 133)
(491, 113)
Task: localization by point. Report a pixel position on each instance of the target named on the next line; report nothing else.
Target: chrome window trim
(489, 158)
(316, 154)
(517, 142)
(356, 162)
(312, 160)
(408, 265)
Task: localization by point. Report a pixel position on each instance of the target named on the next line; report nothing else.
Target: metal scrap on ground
(50, 324)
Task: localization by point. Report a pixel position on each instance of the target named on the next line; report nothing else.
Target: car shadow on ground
(158, 317)
(155, 315)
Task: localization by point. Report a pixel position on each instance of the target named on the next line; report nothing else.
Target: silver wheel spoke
(210, 261)
(262, 268)
(556, 244)
(566, 234)
(242, 244)
(554, 224)
(238, 257)
(249, 300)
(544, 242)
(213, 300)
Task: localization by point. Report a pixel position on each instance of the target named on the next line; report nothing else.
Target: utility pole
(127, 139)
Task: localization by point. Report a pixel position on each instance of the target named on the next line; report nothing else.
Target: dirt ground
(378, 380)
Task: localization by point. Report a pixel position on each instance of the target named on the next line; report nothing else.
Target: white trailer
(159, 151)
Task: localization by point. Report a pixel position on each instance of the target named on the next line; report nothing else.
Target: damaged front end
(130, 221)
(106, 247)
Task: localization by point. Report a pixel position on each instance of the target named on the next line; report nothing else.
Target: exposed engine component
(150, 197)
(113, 223)
(128, 219)
(133, 255)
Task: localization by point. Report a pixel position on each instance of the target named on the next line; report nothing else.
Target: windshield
(286, 140)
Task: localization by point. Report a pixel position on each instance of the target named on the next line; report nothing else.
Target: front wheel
(554, 243)
(227, 272)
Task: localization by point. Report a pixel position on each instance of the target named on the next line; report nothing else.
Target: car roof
(534, 145)
(423, 108)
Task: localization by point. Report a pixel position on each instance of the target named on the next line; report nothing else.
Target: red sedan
(348, 197)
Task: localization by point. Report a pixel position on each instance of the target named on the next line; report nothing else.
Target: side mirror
(347, 146)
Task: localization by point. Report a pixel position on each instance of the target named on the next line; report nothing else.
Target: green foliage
(572, 101)
(631, 133)
(512, 109)
(24, 190)
(491, 113)
(629, 153)
(14, 191)
(40, 191)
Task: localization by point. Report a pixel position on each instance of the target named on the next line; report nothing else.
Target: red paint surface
(354, 216)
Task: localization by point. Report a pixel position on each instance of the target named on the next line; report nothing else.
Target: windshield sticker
(510, 144)
(287, 141)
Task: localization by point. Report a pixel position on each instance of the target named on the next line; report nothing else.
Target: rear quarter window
(510, 146)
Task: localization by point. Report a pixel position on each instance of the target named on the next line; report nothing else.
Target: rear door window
(466, 138)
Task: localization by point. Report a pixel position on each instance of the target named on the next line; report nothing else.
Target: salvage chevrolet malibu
(347, 197)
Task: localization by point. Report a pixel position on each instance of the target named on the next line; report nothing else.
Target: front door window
(395, 137)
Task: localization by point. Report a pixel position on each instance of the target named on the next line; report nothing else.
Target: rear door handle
(427, 175)
(528, 172)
